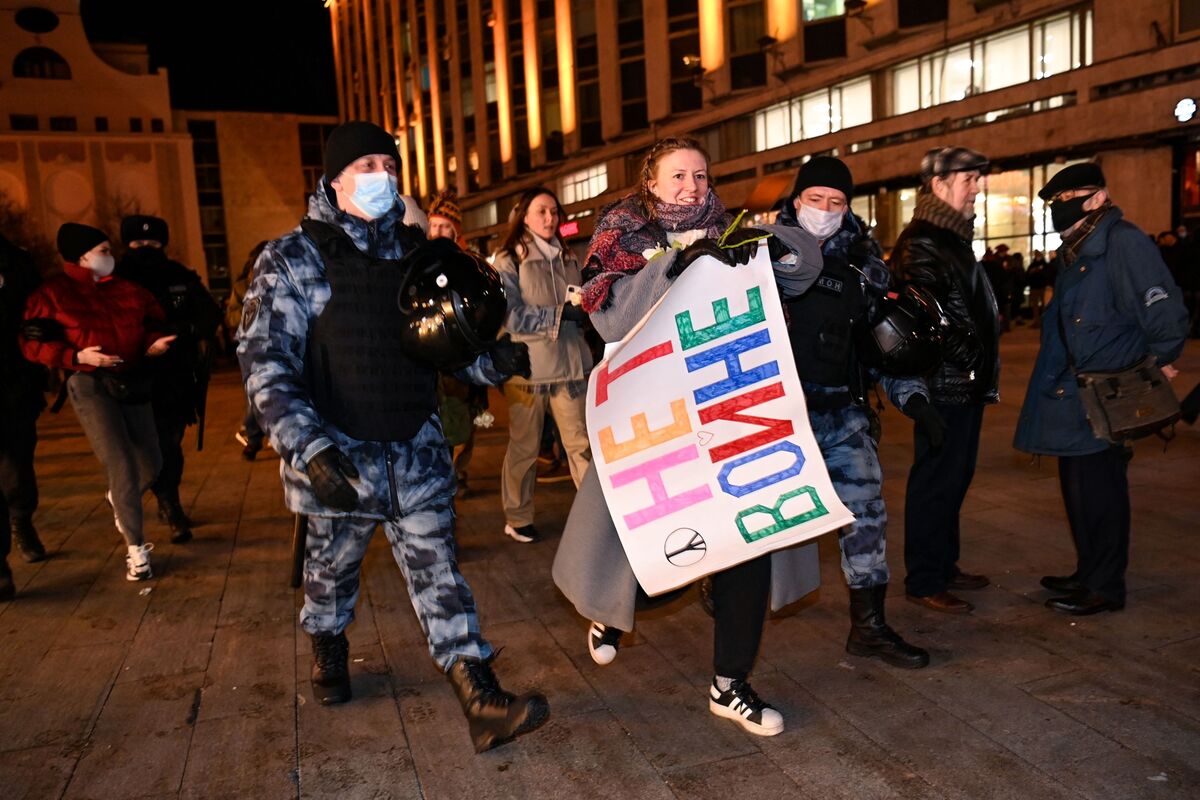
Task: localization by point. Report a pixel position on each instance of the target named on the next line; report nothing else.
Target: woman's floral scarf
(625, 239)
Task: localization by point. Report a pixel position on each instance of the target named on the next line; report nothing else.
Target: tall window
(683, 26)
(747, 25)
(843, 105)
(1016, 55)
(587, 73)
(631, 42)
(584, 184)
(41, 62)
(820, 9)
(207, 160)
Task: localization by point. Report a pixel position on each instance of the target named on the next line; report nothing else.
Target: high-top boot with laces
(26, 539)
(171, 512)
(331, 668)
(495, 716)
(872, 637)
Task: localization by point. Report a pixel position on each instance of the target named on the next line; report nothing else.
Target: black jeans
(170, 443)
(18, 484)
(937, 486)
(739, 596)
(1096, 493)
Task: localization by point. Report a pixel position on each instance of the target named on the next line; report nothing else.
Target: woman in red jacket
(99, 328)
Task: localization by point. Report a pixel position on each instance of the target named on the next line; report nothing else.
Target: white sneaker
(242, 438)
(523, 533)
(740, 704)
(603, 643)
(137, 562)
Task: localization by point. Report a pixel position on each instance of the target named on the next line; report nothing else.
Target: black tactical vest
(820, 323)
(357, 372)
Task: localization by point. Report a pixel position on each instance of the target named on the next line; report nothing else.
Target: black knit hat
(351, 141)
(824, 171)
(142, 226)
(1076, 176)
(74, 240)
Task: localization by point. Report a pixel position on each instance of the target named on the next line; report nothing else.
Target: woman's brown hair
(517, 227)
(650, 164)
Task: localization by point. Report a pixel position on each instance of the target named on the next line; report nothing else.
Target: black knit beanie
(351, 141)
(74, 240)
(824, 171)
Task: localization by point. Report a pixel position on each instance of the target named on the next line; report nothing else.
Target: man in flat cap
(180, 376)
(934, 252)
(1114, 303)
(354, 419)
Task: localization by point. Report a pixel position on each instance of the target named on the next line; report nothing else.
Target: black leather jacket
(941, 261)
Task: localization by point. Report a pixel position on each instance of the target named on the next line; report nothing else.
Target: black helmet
(453, 305)
(904, 338)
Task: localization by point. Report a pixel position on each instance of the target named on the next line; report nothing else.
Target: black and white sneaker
(603, 643)
(740, 704)
(524, 534)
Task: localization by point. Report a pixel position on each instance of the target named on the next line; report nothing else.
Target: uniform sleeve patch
(1154, 294)
(250, 312)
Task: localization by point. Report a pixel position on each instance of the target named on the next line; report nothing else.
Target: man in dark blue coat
(1114, 303)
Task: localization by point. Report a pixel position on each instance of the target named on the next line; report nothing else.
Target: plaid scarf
(931, 209)
(624, 233)
(1073, 240)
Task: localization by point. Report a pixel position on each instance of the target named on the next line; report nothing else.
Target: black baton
(299, 545)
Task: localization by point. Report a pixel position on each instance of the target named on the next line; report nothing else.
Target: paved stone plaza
(196, 683)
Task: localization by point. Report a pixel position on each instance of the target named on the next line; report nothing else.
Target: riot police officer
(180, 378)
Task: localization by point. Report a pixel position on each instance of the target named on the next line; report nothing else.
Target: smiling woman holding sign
(642, 244)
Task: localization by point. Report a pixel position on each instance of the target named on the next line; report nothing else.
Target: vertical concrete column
(564, 30)
(387, 96)
(399, 77)
(658, 61)
(533, 82)
(508, 161)
(457, 119)
(610, 68)
(1136, 178)
(339, 53)
(713, 48)
(418, 104)
(783, 23)
(483, 150)
(370, 46)
(434, 54)
(359, 48)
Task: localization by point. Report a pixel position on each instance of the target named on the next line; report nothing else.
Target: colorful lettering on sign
(724, 325)
(643, 437)
(606, 377)
(651, 472)
(731, 353)
(728, 410)
(781, 523)
(741, 490)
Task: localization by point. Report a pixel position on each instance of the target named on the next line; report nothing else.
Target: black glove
(573, 313)
(777, 248)
(743, 243)
(701, 247)
(330, 472)
(43, 329)
(929, 421)
(511, 358)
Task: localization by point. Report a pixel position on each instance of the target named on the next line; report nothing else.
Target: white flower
(651, 252)
(685, 238)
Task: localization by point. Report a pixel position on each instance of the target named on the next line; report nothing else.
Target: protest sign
(699, 431)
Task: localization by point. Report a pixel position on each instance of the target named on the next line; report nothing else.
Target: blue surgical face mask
(374, 193)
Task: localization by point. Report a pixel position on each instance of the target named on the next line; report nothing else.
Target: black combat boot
(7, 590)
(26, 539)
(171, 512)
(495, 716)
(872, 637)
(331, 668)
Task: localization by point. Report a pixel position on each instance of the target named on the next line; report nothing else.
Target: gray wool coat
(590, 567)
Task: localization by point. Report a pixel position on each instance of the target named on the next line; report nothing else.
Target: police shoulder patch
(832, 284)
(250, 312)
(1154, 294)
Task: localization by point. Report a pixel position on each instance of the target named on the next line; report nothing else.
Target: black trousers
(739, 596)
(937, 486)
(1096, 493)
(170, 443)
(18, 484)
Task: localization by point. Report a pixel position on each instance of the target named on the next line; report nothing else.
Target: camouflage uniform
(406, 485)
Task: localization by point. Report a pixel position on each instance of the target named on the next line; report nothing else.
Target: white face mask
(374, 193)
(100, 265)
(821, 224)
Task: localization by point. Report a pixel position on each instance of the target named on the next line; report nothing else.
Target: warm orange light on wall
(503, 90)
(782, 19)
(712, 34)
(565, 38)
(533, 77)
